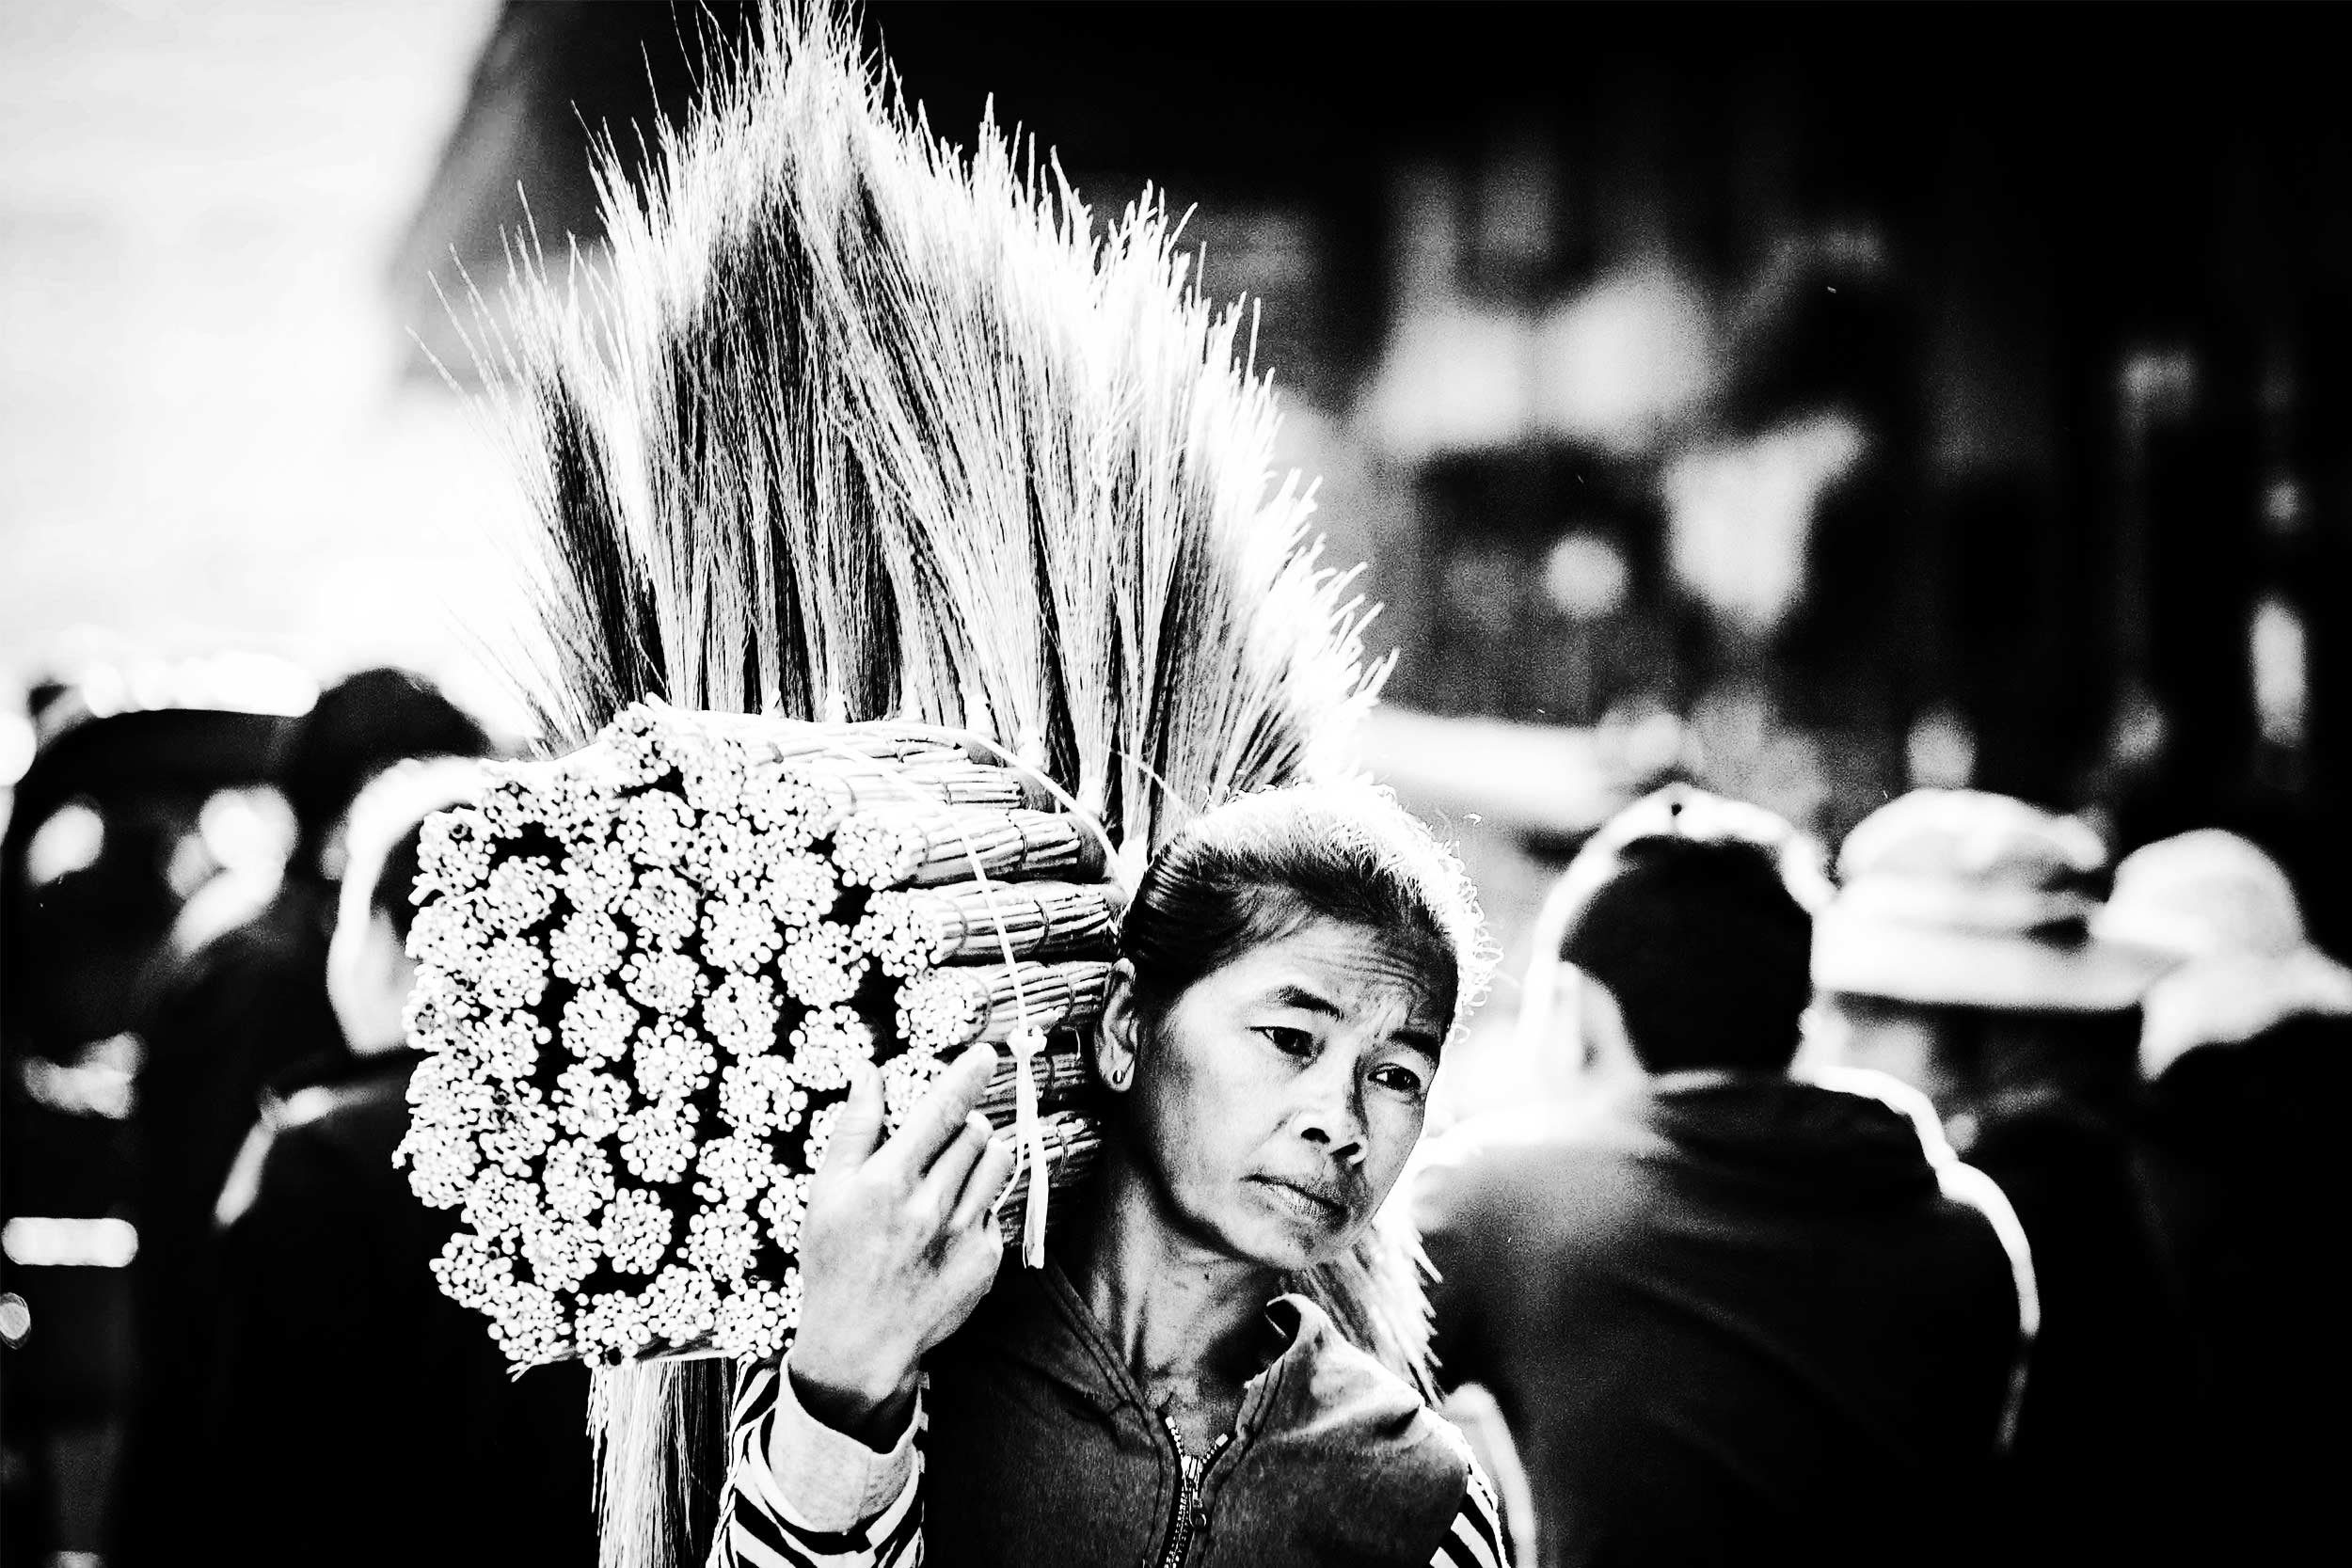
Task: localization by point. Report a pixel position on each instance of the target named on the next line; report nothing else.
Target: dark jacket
(2246, 1169)
(1734, 1320)
(222, 1022)
(2110, 1460)
(362, 1417)
(1043, 1452)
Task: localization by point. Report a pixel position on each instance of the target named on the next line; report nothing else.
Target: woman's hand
(898, 1248)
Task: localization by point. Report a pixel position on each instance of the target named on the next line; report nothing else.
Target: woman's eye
(1401, 1080)
(1291, 1042)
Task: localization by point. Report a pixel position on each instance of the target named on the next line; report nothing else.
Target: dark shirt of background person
(223, 1021)
(1729, 1316)
(1960, 955)
(363, 1416)
(2247, 1052)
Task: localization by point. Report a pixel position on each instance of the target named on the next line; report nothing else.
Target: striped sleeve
(802, 1496)
(1476, 1539)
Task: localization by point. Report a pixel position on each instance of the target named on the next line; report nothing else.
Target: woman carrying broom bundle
(849, 427)
(1292, 963)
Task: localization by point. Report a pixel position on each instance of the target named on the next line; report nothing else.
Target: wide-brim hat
(1964, 898)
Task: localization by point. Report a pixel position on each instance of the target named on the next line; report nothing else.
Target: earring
(1119, 1074)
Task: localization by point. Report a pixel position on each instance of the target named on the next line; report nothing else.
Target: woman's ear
(1115, 1036)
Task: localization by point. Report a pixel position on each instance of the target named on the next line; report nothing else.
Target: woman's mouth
(1310, 1203)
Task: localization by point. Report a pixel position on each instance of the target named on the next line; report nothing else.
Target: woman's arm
(1476, 1539)
(897, 1248)
(801, 1495)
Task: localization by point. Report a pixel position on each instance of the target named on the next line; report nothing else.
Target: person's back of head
(358, 727)
(1691, 913)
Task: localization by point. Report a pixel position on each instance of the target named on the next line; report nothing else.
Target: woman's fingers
(976, 1255)
(989, 1174)
(857, 1129)
(884, 1274)
(936, 1193)
(938, 1118)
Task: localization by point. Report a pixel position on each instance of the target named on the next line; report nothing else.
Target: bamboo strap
(921, 928)
(954, 783)
(1060, 1071)
(944, 1008)
(897, 846)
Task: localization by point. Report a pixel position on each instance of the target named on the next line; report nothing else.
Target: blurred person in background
(2247, 1050)
(1959, 956)
(1727, 1314)
(1788, 529)
(326, 1268)
(223, 1021)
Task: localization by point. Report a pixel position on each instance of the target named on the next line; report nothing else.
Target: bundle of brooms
(647, 971)
(846, 428)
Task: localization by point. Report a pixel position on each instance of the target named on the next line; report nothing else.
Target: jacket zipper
(1188, 1494)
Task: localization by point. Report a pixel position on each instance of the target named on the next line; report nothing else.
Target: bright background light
(35, 1242)
(204, 440)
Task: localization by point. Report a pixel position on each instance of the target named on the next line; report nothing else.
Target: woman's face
(1275, 1101)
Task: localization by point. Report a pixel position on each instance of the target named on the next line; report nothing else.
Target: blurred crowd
(282, 1339)
(1961, 1194)
(1969, 1206)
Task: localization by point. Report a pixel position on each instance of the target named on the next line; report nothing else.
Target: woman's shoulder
(1324, 1382)
(1359, 1452)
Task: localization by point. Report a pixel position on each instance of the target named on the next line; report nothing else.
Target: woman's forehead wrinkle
(1360, 980)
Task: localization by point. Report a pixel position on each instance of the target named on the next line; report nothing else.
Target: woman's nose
(1332, 1117)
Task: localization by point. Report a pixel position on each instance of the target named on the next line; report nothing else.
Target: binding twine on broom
(1026, 1038)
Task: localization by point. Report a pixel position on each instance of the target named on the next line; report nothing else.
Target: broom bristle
(860, 424)
(656, 1424)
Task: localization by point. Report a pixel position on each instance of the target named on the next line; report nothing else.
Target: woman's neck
(1189, 1322)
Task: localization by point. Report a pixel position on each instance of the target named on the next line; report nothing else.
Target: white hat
(2202, 894)
(2219, 902)
(1955, 898)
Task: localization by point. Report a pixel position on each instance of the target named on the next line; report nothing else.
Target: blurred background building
(1813, 401)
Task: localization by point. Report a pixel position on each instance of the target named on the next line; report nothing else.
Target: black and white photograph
(1173, 784)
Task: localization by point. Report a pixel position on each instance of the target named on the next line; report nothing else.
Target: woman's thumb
(857, 1126)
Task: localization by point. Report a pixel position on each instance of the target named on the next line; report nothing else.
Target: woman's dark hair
(1261, 866)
